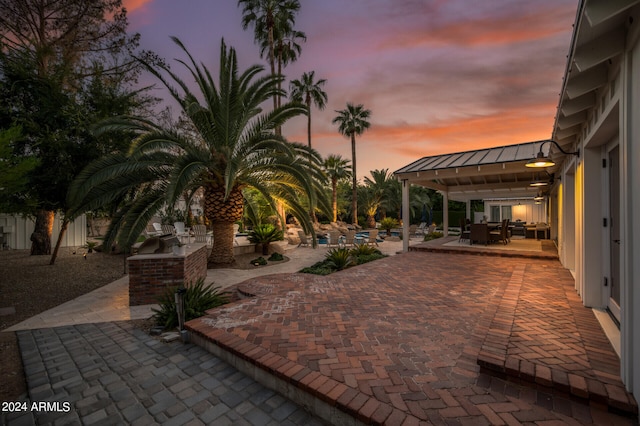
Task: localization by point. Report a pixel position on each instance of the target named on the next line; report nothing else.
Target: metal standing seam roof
(497, 155)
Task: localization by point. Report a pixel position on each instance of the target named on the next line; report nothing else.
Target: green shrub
(276, 257)
(91, 246)
(265, 234)
(197, 300)
(389, 223)
(259, 261)
(340, 258)
(319, 268)
(433, 236)
(363, 249)
(364, 258)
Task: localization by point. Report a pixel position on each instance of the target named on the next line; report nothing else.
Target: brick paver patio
(430, 337)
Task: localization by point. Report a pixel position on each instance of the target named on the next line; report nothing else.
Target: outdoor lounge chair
(348, 240)
(373, 237)
(304, 239)
(201, 235)
(157, 228)
(168, 229)
(333, 239)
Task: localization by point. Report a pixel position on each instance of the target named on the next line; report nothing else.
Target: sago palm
(352, 121)
(232, 145)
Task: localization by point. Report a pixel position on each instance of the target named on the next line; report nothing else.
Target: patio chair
(333, 239)
(148, 232)
(479, 233)
(373, 237)
(304, 239)
(464, 232)
(168, 229)
(501, 233)
(157, 228)
(201, 235)
(348, 240)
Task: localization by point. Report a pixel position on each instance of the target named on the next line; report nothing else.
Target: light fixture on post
(542, 160)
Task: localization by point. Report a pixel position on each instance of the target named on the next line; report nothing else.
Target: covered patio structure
(498, 173)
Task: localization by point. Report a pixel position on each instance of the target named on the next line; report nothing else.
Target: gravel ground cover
(29, 285)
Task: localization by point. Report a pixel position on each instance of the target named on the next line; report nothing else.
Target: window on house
(494, 214)
(506, 213)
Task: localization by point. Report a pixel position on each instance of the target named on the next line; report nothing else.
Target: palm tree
(232, 146)
(270, 19)
(353, 121)
(382, 182)
(371, 201)
(287, 48)
(336, 168)
(307, 90)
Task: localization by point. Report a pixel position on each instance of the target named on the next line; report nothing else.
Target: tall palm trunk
(309, 120)
(334, 199)
(41, 236)
(354, 189)
(222, 214)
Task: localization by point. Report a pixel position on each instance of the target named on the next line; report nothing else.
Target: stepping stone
(170, 337)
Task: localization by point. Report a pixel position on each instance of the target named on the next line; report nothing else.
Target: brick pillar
(150, 275)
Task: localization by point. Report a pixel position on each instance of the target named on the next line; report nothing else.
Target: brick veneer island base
(151, 274)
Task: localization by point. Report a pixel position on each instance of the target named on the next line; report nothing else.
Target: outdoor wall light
(539, 183)
(542, 160)
(542, 182)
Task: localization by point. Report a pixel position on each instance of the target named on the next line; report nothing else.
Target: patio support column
(445, 213)
(468, 212)
(405, 215)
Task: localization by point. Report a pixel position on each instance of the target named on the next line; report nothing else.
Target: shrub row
(338, 259)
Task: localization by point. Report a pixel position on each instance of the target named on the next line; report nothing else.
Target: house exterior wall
(630, 153)
(612, 121)
(525, 211)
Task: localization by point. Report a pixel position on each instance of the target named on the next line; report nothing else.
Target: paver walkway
(399, 341)
(114, 374)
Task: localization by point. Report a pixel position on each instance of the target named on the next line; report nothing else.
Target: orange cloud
(490, 30)
(462, 134)
(132, 5)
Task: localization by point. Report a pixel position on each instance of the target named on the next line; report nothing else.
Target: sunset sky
(439, 76)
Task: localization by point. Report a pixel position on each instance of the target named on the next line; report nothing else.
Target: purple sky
(438, 76)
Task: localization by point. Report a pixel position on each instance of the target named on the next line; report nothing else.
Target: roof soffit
(581, 83)
(601, 11)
